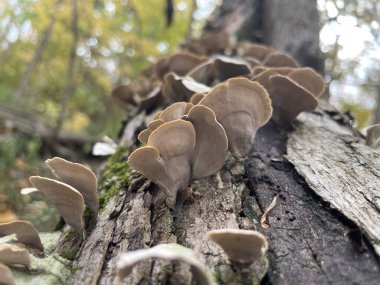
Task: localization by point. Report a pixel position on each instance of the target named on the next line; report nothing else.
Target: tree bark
(323, 229)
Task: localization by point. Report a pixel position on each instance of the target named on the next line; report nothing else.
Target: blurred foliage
(350, 40)
(117, 40)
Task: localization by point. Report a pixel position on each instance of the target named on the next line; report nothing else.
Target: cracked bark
(314, 236)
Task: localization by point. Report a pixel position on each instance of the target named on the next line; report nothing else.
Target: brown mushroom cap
(153, 99)
(25, 232)
(241, 106)
(13, 254)
(78, 176)
(182, 62)
(220, 68)
(279, 60)
(210, 43)
(242, 247)
(177, 88)
(196, 98)
(257, 51)
(126, 95)
(153, 125)
(164, 251)
(211, 142)
(167, 159)
(6, 275)
(308, 79)
(373, 136)
(65, 198)
(175, 111)
(289, 99)
(161, 68)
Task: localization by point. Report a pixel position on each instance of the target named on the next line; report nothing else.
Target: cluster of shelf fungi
(217, 95)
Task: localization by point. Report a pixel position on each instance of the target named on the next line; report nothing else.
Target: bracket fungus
(277, 59)
(257, 51)
(241, 107)
(65, 198)
(308, 79)
(78, 176)
(178, 88)
(204, 157)
(6, 275)
(220, 68)
(242, 247)
(196, 98)
(167, 158)
(373, 136)
(181, 63)
(168, 252)
(11, 254)
(289, 99)
(25, 233)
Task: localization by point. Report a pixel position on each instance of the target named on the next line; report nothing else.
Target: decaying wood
(309, 242)
(346, 173)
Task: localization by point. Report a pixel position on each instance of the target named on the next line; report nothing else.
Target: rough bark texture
(310, 242)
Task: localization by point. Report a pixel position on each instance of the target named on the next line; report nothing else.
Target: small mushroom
(170, 251)
(212, 43)
(126, 95)
(177, 88)
(220, 68)
(25, 232)
(65, 198)
(257, 51)
(11, 254)
(196, 98)
(308, 79)
(167, 158)
(242, 247)
(289, 99)
(182, 62)
(78, 176)
(211, 142)
(277, 59)
(6, 275)
(171, 113)
(373, 136)
(153, 99)
(242, 107)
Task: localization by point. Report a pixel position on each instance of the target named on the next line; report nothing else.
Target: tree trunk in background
(325, 227)
(23, 84)
(291, 26)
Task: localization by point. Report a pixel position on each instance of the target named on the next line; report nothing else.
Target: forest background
(59, 61)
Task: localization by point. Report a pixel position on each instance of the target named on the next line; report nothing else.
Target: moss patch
(114, 175)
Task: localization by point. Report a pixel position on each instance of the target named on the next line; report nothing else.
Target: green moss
(115, 175)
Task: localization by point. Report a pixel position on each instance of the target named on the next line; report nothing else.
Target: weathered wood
(341, 169)
(309, 241)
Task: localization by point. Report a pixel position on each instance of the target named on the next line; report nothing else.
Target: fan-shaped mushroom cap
(167, 158)
(279, 60)
(78, 176)
(126, 95)
(175, 111)
(196, 98)
(178, 88)
(25, 232)
(242, 247)
(65, 198)
(289, 99)
(182, 62)
(220, 68)
(161, 68)
(164, 251)
(308, 79)
(153, 125)
(209, 43)
(257, 51)
(241, 106)
(373, 136)
(264, 77)
(6, 275)
(14, 254)
(261, 70)
(211, 142)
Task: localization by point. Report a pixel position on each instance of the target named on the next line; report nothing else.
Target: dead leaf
(266, 213)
